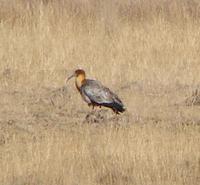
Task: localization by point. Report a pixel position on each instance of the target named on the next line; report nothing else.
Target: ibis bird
(95, 94)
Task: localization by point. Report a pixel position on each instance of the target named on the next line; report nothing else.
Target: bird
(96, 94)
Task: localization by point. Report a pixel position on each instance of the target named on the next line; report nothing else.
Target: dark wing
(99, 94)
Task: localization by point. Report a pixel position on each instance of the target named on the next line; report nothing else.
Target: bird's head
(79, 74)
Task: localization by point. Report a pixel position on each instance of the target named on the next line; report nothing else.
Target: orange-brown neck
(80, 80)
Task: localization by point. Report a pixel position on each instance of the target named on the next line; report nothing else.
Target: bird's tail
(118, 107)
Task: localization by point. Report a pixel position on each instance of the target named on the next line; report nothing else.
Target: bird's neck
(80, 81)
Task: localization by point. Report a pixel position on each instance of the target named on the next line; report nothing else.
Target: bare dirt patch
(57, 107)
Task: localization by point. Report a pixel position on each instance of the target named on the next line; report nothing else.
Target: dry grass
(106, 155)
(41, 42)
(148, 49)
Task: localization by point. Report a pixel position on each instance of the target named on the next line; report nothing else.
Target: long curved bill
(70, 77)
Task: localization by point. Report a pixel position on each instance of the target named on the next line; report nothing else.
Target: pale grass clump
(147, 50)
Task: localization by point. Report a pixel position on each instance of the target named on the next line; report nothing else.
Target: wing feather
(97, 93)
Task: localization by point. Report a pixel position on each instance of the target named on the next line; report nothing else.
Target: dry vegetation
(148, 51)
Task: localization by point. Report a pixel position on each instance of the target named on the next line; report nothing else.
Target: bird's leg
(93, 108)
(90, 104)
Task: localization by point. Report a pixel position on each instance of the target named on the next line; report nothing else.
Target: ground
(48, 139)
(147, 52)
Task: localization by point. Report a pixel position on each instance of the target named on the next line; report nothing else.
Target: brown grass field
(147, 51)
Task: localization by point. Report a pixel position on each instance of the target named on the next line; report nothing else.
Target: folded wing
(101, 95)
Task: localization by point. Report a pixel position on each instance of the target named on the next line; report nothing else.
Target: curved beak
(67, 79)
